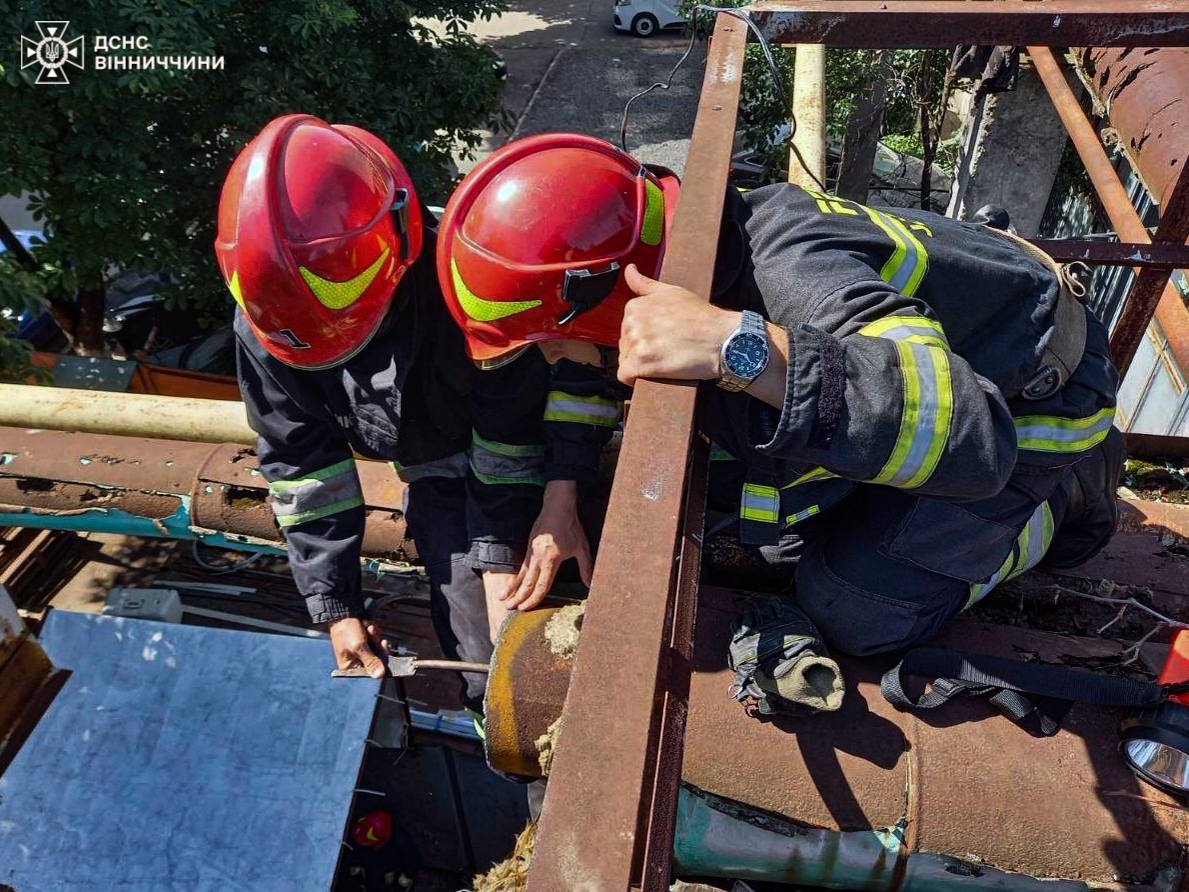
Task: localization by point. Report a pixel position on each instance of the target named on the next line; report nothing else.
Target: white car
(645, 17)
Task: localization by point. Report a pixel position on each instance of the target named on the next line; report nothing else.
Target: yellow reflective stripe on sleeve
(290, 520)
(506, 463)
(831, 204)
(811, 477)
(596, 410)
(1029, 548)
(327, 491)
(509, 449)
(907, 327)
(652, 229)
(760, 503)
(906, 267)
(927, 412)
(1051, 433)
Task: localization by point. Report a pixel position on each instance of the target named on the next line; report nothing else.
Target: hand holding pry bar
(404, 666)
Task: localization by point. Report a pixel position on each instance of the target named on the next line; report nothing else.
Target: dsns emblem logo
(53, 52)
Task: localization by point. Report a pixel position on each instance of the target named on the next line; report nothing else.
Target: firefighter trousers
(885, 570)
(436, 513)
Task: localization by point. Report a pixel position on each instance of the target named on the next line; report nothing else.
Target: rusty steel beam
(169, 488)
(871, 766)
(947, 23)
(1149, 286)
(620, 729)
(1096, 252)
(28, 680)
(1156, 446)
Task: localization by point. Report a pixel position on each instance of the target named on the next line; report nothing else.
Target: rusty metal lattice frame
(1144, 299)
(607, 822)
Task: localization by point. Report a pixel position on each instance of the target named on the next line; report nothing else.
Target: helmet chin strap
(400, 220)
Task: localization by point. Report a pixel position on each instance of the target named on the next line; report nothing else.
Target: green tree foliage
(919, 81)
(126, 166)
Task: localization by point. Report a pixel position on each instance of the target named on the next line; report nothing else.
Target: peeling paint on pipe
(172, 489)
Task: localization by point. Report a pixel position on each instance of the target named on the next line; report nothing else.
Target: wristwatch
(744, 353)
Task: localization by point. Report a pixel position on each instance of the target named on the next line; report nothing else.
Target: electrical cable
(777, 80)
(215, 569)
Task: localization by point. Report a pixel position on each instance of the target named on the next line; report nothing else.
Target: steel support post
(607, 821)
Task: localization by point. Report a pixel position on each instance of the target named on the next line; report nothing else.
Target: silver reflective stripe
(597, 410)
(1050, 433)
(327, 491)
(802, 515)
(451, 466)
(760, 503)
(926, 416)
(1027, 551)
(1035, 539)
(507, 463)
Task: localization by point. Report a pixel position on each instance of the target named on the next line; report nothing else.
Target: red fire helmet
(533, 244)
(317, 224)
(372, 830)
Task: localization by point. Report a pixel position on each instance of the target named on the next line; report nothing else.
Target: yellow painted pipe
(809, 111)
(124, 414)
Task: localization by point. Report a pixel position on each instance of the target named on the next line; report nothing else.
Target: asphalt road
(568, 69)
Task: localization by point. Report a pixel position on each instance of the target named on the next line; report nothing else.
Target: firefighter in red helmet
(345, 348)
(918, 408)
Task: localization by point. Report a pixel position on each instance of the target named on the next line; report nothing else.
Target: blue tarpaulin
(181, 757)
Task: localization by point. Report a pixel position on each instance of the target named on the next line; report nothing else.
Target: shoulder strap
(1065, 348)
(1033, 695)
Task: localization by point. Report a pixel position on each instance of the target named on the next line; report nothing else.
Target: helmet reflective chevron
(533, 243)
(317, 225)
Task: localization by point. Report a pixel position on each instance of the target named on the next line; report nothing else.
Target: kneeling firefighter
(345, 347)
(920, 408)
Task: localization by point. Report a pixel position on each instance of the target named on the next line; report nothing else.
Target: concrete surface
(568, 69)
(1017, 149)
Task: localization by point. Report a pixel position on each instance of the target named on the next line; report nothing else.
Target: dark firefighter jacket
(410, 397)
(911, 338)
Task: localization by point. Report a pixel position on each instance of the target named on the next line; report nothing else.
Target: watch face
(746, 355)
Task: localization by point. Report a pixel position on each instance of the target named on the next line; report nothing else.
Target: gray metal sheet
(93, 373)
(182, 757)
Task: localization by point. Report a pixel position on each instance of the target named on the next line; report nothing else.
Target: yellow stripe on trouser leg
(1027, 551)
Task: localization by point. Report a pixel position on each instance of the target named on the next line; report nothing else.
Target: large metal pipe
(854, 799)
(183, 490)
(124, 414)
(1146, 97)
(1144, 93)
(1151, 291)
